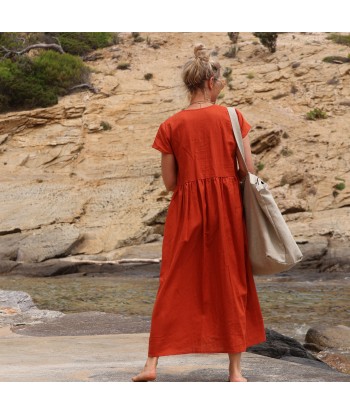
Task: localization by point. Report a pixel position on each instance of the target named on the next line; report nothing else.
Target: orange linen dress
(207, 300)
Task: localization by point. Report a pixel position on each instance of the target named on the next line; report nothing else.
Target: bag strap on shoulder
(238, 136)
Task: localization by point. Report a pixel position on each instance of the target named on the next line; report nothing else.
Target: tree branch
(10, 53)
(87, 86)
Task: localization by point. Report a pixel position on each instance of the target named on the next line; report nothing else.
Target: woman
(206, 300)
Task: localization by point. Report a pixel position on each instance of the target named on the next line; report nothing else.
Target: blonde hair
(198, 69)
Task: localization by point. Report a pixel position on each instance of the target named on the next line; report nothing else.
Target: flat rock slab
(118, 357)
(86, 323)
(56, 267)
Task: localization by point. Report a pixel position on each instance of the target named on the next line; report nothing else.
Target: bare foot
(144, 376)
(237, 379)
(149, 371)
(234, 371)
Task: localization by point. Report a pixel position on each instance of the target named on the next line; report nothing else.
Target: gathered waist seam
(207, 178)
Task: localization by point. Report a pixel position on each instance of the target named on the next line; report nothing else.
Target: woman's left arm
(248, 155)
(169, 171)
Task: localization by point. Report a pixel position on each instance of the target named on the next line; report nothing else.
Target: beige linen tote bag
(272, 248)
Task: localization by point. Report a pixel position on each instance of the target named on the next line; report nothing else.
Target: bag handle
(239, 140)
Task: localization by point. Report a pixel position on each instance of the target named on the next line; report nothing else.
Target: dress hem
(198, 351)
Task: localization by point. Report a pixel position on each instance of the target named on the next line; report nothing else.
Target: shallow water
(291, 303)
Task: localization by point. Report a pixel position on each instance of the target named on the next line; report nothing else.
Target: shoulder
(174, 117)
(171, 121)
(245, 125)
(223, 110)
(239, 114)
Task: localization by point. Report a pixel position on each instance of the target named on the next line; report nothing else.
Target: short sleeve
(245, 126)
(162, 140)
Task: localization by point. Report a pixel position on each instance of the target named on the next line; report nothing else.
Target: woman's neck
(200, 100)
(200, 97)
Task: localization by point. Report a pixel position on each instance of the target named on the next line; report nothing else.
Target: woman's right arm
(169, 171)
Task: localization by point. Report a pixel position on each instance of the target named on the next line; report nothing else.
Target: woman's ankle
(151, 363)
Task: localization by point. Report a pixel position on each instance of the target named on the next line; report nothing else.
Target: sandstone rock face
(53, 242)
(65, 177)
(265, 141)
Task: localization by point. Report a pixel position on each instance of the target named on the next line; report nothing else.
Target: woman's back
(207, 300)
(202, 142)
(205, 278)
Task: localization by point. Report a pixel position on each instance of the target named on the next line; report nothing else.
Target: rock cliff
(80, 178)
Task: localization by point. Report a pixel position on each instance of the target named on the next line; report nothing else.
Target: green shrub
(19, 87)
(136, 36)
(75, 43)
(29, 83)
(233, 36)
(4, 101)
(340, 186)
(61, 71)
(250, 75)
(268, 39)
(81, 43)
(232, 52)
(105, 125)
(316, 114)
(286, 152)
(74, 46)
(227, 74)
(10, 41)
(19, 41)
(148, 76)
(260, 166)
(340, 39)
(294, 89)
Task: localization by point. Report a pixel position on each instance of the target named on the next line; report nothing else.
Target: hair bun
(200, 52)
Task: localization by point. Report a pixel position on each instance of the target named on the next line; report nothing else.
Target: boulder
(277, 345)
(18, 300)
(18, 308)
(337, 337)
(283, 347)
